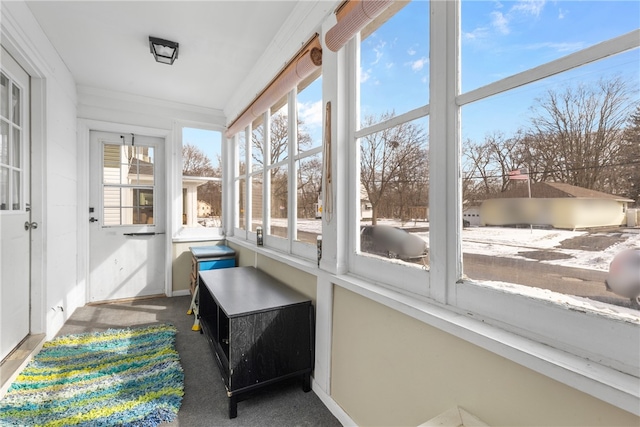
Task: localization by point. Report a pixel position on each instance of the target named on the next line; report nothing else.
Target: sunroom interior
(295, 106)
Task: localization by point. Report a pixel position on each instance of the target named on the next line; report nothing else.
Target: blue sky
(499, 38)
(209, 142)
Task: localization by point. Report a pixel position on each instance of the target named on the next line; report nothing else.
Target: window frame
(179, 231)
(287, 245)
(611, 356)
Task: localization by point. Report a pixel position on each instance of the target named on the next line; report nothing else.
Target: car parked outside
(392, 242)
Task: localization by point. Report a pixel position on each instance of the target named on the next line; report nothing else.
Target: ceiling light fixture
(164, 51)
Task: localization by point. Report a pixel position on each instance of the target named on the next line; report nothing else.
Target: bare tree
(488, 165)
(279, 141)
(196, 163)
(628, 169)
(390, 159)
(575, 133)
(309, 185)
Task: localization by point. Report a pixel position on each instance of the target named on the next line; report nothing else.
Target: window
(308, 163)
(546, 165)
(201, 178)
(394, 62)
(392, 224)
(128, 183)
(494, 137)
(240, 180)
(11, 168)
(286, 143)
(424, 156)
(258, 145)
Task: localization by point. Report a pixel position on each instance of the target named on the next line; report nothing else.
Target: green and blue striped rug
(129, 377)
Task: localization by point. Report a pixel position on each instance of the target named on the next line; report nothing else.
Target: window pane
(128, 206)
(202, 174)
(111, 216)
(256, 201)
(279, 201)
(394, 63)
(4, 96)
(242, 196)
(141, 168)
(309, 196)
(128, 165)
(4, 188)
(503, 38)
(550, 170)
(257, 147)
(210, 204)
(4, 143)
(15, 102)
(394, 192)
(15, 150)
(280, 135)
(242, 153)
(309, 103)
(16, 193)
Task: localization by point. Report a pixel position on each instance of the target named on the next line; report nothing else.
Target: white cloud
(419, 64)
(500, 22)
(379, 51)
(364, 75)
(411, 51)
(529, 7)
(476, 35)
(310, 113)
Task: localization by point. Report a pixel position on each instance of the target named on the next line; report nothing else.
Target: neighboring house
(471, 213)
(366, 209)
(556, 205)
(190, 204)
(204, 209)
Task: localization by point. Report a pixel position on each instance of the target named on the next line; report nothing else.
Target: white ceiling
(105, 44)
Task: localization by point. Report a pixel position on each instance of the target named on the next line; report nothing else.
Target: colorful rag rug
(123, 377)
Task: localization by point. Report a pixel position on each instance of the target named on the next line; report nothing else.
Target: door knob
(92, 219)
(30, 225)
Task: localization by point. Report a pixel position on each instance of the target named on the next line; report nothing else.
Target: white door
(127, 217)
(15, 220)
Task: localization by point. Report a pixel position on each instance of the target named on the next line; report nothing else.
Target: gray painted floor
(205, 402)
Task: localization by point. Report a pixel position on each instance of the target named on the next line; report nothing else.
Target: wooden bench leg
(233, 406)
(306, 383)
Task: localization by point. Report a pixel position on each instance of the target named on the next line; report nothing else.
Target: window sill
(197, 234)
(288, 259)
(614, 387)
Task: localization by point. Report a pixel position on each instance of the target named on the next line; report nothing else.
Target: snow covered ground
(509, 242)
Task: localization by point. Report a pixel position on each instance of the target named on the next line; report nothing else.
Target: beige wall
(181, 263)
(389, 369)
(304, 283)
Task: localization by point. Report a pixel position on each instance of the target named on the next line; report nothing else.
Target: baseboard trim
(333, 407)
